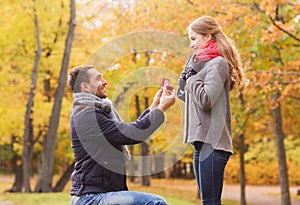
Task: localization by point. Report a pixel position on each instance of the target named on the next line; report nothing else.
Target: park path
(5, 179)
(255, 195)
(259, 195)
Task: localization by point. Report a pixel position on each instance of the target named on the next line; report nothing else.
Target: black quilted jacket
(97, 141)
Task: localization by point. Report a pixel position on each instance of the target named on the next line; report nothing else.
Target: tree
(279, 30)
(17, 169)
(144, 152)
(64, 178)
(28, 128)
(266, 34)
(279, 136)
(46, 172)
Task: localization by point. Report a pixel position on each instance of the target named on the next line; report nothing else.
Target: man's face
(96, 84)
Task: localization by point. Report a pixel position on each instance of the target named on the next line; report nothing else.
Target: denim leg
(88, 199)
(131, 198)
(121, 198)
(197, 149)
(211, 166)
(74, 200)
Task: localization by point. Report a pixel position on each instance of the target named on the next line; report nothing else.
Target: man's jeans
(209, 165)
(118, 198)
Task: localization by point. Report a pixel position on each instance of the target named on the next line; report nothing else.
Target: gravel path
(258, 195)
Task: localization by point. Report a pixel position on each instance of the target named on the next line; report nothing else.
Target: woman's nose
(192, 45)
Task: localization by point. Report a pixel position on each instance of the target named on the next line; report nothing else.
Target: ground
(255, 195)
(259, 195)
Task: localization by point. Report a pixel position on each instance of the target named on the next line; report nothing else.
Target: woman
(204, 85)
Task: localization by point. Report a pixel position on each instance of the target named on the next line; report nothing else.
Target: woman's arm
(206, 91)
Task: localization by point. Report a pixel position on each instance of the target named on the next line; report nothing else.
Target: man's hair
(78, 75)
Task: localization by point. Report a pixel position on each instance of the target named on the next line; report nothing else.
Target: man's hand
(156, 99)
(167, 99)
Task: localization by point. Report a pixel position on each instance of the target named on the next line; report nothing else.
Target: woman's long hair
(206, 25)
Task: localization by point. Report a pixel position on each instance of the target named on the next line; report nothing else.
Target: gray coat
(207, 105)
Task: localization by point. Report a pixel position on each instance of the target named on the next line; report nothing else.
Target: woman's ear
(208, 37)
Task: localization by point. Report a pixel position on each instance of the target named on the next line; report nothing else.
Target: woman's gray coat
(207, 105)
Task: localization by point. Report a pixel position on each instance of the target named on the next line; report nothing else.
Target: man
(99, 139)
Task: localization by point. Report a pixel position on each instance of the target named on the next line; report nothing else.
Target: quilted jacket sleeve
(95, 125)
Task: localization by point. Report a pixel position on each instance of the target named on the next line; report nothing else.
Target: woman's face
(198, 41)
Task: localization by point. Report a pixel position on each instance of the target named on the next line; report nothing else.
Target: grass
(35, 199)
(176, 192)
(295, 196)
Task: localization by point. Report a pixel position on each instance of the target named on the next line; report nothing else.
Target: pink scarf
(209, 52)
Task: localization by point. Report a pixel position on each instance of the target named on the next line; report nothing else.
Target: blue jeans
(119, 198)
(209, 166)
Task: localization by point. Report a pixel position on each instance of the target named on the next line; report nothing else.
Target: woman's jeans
(118, 198)
(209, 165)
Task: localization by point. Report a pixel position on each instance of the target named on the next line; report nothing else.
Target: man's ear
(84, 87)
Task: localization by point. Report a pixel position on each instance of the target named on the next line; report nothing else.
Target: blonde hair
(206, 25)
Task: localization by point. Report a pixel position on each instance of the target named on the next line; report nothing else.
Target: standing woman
(204, 85)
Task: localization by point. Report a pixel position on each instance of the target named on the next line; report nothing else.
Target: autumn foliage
(266, 33)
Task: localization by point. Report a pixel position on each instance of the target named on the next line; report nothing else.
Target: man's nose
(103, 81)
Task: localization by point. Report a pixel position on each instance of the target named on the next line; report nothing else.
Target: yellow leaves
(266, 6)
(291, 91)
(282, 1)
(11, 124)
(270, 35)
(99, 23)
(250, 20)
(269, 6)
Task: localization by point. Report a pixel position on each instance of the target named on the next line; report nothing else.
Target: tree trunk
(159, 165)
(144, 164)
(17, 169)
(44, 183)
(131, 165)
(47, 86)
(280, 149)
(61, 183)
(242, 154)
(137, 106)
(242, 169)
(28, 127)
(145, 160)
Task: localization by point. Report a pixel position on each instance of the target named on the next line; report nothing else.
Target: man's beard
(99, 94)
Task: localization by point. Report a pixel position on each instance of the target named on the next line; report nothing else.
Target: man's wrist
(162, 108)
(152, 107)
